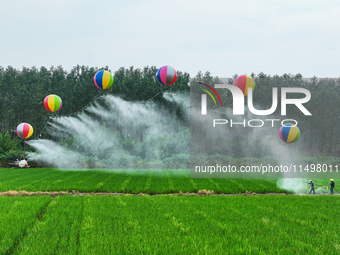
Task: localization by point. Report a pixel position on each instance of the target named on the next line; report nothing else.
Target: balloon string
(154, 96)
(67, 115)
(41, 131)
(78, 110)
(174, 94)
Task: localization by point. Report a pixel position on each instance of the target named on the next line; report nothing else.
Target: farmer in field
(332, 184)
(311, 183)
(22, 162)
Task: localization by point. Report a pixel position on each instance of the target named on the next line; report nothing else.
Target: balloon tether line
(67, 115)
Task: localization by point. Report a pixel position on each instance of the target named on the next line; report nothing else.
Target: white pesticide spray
(284, 154)
(113, 133)
(259, 141)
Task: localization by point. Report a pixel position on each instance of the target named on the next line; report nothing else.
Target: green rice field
(125, 224)
(169, 225)
(126, 181)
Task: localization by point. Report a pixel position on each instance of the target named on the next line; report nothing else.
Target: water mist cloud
(113, 133)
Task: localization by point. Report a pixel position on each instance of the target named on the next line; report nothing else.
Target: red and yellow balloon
(24, 130)
(53, 103)
(244, 82)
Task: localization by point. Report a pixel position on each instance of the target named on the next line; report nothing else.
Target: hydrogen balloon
(289, 133)
(24, 130)
(244, 82)
(53, 103)
(166, 75)
(103, 79)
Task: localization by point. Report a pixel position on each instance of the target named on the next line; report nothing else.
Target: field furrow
(17, 216)
(169, 225)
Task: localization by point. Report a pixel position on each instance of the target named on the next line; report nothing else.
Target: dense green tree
(22, 93)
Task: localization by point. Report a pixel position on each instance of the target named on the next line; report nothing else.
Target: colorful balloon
(167, 75)
(24, 130)
(53, 103)
(244, 82)
(289, 133)
(103, 79)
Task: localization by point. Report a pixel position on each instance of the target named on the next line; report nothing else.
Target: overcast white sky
(223, 37)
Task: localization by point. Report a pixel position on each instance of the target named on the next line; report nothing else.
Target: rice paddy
(47, 223)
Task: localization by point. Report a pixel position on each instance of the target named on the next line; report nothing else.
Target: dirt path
(12, 193)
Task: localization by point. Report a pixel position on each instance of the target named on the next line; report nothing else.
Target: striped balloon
(244, 82)
(289, 133)
(167, 75)
(24, 130)
(53, 103)
(103, 79)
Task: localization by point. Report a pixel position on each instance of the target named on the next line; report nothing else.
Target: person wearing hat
(311, 183)
(332, 184)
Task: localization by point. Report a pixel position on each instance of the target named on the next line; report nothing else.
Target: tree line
(22, 93)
